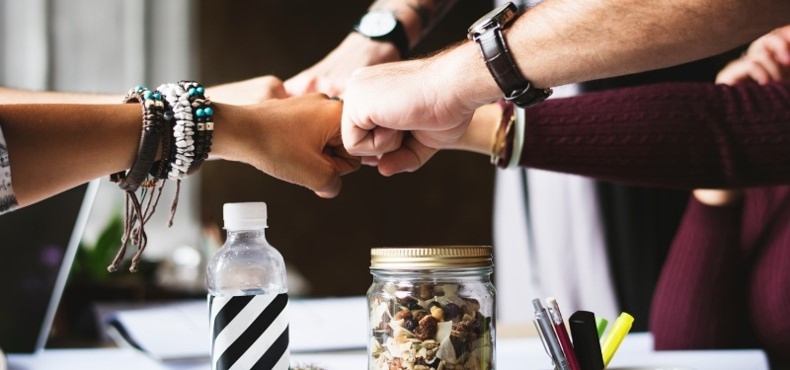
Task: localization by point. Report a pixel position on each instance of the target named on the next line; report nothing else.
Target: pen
(547, 330)
(585, 340)
(601, 323)
(612, 340)
(562, 333)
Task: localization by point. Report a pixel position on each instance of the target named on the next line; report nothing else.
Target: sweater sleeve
(672, 135)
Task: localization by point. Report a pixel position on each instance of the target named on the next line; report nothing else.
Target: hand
(293, 139)
(383, 101)
(329, 76)
(251, 91)
(767, 59)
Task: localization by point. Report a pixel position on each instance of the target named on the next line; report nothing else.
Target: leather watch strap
(505, 72)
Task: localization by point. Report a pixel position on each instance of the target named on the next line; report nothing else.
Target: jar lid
(436, 257)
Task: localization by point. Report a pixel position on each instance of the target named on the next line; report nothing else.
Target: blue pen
(546, 330)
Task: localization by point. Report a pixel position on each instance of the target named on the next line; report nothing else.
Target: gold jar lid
(432, 257)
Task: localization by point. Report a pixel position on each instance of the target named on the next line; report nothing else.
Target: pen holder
(432, 307)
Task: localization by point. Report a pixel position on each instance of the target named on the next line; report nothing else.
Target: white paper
(84, 359)
(181, 331)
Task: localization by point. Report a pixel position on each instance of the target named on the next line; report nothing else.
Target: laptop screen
(37, 247)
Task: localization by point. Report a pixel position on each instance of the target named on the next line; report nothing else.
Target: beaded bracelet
(204, 123)
(183, 146)
(192, 130)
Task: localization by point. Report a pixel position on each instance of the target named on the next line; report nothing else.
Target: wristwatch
(487, 33)
(382, 25)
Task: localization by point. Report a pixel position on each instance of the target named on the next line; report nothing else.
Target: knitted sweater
(673, 135)
(726, 280)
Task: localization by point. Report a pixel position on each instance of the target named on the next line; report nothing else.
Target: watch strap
(397, 37)
(496, 55)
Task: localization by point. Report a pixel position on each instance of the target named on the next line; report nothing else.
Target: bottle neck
(245, 235)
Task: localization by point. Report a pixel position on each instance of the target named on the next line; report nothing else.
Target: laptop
(38, 244)
(37, 247)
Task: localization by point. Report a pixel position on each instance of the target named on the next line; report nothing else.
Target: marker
(562, 333)
(585, 340)
(547, 331)
(601, 323)
(612, 341)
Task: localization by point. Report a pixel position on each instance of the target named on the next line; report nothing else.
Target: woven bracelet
(153, 121)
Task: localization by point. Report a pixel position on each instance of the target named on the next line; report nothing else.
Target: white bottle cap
(248, 215)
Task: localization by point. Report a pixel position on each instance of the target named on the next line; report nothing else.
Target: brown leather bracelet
(153, 121)
(503, 142)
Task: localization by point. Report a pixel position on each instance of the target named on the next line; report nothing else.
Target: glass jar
(431, 308)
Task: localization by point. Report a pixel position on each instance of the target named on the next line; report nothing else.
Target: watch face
(501, 16)
(377, 23)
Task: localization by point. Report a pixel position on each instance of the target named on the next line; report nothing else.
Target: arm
(331, 73)
(767, 59)
(680, 135)
(557, 42)
(250, 91)
(10, 95)
(52, 148)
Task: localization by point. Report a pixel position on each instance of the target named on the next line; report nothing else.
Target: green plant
(92, 260)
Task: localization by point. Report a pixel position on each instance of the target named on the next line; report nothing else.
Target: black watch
(487, 32)
(382, 25)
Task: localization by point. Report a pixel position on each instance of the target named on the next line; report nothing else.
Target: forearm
(567, 41)
(55, 147)
(20, 96)
(669, 135)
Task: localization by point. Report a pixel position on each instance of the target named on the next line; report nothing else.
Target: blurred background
(108, 46)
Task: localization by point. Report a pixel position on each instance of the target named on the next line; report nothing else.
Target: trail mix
(429, 328)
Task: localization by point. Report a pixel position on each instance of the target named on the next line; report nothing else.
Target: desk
(512, 354)
(527, 354)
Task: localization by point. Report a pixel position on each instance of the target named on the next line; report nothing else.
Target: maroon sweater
(726, 280)
(674, 135)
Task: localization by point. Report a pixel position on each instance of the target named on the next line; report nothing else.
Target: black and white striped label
(249, 332)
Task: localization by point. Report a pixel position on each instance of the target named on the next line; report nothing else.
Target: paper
(84, 359)
(181, 331)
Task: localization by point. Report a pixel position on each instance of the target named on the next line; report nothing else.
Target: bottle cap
(247, 215)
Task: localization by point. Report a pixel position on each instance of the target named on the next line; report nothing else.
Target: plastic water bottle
(247, 295)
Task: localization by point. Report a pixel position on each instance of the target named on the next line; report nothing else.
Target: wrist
(371, 51)
(477, 88)
(480, 135)
(227, 121)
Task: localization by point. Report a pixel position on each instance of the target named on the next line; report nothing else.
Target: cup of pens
(585, 347)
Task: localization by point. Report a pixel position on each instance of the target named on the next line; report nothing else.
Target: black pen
(550, 337)
(585, 340)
